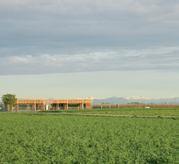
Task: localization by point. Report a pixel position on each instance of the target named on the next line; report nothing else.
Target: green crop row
(29, 138)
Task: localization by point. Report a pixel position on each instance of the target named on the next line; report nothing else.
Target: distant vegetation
(126, 111)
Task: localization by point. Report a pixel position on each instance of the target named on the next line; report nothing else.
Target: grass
(44, 138)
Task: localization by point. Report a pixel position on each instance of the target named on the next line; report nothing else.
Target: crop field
(44, 138)
(133, 112)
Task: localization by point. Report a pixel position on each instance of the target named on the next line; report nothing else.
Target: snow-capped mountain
(126, 100)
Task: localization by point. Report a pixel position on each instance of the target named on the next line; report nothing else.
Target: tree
(9, 101)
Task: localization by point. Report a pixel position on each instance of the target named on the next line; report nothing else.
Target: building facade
(53, 104)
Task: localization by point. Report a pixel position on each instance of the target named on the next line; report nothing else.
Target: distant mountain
(123, 100)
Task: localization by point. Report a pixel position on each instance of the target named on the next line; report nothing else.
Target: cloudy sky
(83, 38)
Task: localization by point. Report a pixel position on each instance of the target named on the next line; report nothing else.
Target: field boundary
(110, 115)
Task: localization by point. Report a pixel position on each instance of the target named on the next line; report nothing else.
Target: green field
(58, 138)
(133, 112)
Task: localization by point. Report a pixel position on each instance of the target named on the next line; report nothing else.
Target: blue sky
(59, 38)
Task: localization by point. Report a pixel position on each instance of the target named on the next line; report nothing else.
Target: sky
(82, 48)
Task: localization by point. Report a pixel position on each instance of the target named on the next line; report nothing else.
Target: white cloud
(28, 59)
(69, 36)
(163, 58)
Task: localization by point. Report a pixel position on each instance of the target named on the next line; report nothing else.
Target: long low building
(53, 104)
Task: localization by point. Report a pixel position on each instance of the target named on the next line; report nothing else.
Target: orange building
(53, 104)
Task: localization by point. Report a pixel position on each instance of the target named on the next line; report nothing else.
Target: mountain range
(127, 100)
